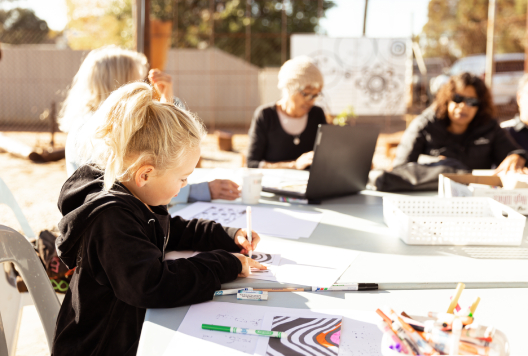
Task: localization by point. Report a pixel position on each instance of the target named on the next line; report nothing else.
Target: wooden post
(365, 19)
(146, 29)
(490, 43)
(284, 34)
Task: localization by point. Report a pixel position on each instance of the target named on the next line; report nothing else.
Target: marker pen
(417, 338)
(385, 328)
(231, 291)
(347, 287)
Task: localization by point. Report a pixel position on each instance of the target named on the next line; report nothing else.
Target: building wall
(222, 89)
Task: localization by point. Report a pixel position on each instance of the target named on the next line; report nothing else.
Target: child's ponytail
(132, 129)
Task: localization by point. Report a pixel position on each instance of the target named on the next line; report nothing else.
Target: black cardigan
(483, 145)
(269, 142)
(116, 242)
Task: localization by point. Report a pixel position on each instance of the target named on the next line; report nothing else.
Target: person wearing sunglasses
(460, 125)
(282, 134)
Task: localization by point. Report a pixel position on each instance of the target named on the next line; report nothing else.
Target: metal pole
(526, 44)
(490, 43)
(212, 62)
(284, 34)
(248, 31)
(365, 18)
(137, 11)
(176, 22)
(320, 10)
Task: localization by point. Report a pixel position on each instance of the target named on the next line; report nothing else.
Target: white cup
(251, 188)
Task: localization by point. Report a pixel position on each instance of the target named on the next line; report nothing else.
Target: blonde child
(102, 71)
(116, 228)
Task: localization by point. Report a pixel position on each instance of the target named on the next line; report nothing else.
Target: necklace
(296, 140)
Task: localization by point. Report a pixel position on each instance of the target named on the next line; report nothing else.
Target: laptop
(341, 164)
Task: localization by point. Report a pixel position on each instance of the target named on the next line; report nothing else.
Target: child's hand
(162, 82)
(247, 264)
(242, 241)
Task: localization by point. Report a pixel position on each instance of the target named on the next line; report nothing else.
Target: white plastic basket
(453, 221)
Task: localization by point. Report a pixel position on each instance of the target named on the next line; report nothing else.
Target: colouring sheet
(358, 335)
(306, 264)
(279, 222)
(305, 336)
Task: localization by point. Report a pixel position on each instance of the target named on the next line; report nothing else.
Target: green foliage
(344, 116)
(457, 28)
(100, 23)
(161, 10)
(22, 26)
(230, 20)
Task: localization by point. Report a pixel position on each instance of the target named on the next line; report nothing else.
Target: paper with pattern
(318, 336)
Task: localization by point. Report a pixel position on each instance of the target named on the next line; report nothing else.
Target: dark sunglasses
(469, 101)
(310, 97)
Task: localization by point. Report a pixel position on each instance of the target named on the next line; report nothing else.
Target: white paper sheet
(277, 222)
(359, 335)
(307, 264)
(294, 262)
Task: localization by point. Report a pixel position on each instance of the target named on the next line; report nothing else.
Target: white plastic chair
(6, 197)
(15, 248)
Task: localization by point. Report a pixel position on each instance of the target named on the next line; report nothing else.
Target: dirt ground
(36, 186)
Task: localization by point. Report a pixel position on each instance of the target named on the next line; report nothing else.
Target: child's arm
(201, 235)
(121, 256)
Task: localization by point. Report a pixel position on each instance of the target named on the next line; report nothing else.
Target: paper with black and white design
(278, 222)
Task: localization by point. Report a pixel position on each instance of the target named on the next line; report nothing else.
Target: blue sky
(386, 18)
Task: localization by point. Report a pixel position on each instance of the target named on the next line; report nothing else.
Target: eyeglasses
(310, 97)
(469, 101)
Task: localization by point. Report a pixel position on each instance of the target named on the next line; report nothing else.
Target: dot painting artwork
(305, 336)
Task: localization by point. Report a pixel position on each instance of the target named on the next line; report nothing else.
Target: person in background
(460, 125)
(282, 134)
(116, 227)
(518, 126)
(104, 70)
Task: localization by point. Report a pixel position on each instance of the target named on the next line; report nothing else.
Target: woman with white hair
(103, 71)
(282, 134)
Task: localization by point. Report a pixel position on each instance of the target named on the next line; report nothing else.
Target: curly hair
(486, 109)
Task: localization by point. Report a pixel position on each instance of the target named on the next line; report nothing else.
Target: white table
(503, 308)
(356, 222)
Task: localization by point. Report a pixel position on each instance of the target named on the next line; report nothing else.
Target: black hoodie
(483, 145)
(116, 242)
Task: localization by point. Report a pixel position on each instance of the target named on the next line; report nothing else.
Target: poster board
(370, 74)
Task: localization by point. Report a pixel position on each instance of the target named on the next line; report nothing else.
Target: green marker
(230, 329)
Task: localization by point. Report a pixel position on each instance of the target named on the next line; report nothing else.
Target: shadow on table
(362, 228)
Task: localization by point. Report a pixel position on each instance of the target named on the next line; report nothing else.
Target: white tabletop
(356, 222)
(503, 308)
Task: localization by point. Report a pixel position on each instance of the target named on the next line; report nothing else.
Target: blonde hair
(102, 71)
(132, 129)
(297, 74)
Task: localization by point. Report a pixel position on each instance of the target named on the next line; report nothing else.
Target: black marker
(348, 286)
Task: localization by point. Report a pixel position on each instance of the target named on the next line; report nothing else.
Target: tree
(21, 26)
(96, 23)
(457, 28)
(230, 20)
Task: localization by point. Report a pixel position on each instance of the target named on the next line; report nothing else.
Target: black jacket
(483, 145)
(116, 242)
(269, 142)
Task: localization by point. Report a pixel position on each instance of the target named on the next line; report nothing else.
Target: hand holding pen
(242, 241)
